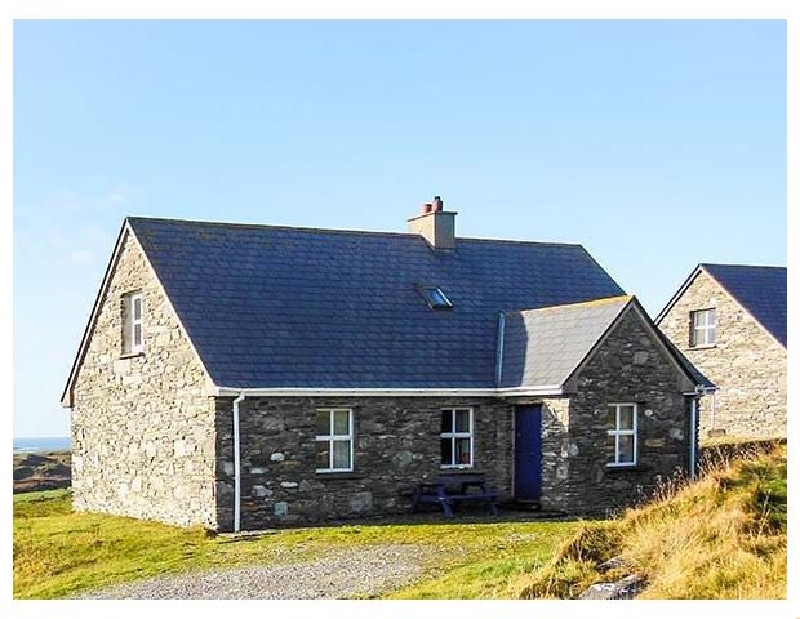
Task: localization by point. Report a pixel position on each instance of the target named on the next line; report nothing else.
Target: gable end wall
(747, 365)
(142, 427)
(629, 366)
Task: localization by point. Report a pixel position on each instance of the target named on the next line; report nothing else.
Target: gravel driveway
(362, 571)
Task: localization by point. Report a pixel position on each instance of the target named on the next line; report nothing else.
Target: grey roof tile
(760, 290)
(291, 307)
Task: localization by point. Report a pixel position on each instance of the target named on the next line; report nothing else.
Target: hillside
(41, 471)
(723, 537)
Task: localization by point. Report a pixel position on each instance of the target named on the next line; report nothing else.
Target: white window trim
(616, 433)
(705, 328)
(455, 435)
(331, 438)
(129, 347)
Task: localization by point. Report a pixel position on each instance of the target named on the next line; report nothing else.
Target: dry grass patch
(723, 537)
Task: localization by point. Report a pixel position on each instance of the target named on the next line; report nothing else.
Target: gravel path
(363, 571)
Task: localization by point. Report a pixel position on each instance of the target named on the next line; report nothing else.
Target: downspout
(693, 439)
(501, 336)
(237, 468)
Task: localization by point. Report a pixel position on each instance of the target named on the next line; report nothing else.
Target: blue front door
(528, 453)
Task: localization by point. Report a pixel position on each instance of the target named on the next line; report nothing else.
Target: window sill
(338, 475)
(626, 468)
(702, 346)
(131, 355)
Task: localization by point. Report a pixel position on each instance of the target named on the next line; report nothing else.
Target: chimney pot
(438, 204)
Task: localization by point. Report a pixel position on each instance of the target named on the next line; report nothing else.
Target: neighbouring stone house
(730, 321)
(244, 376)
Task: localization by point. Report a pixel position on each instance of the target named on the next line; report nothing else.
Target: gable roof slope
(545, 347)
(270, 307)
(760, 290)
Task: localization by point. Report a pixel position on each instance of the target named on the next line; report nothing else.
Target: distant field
(41, 471)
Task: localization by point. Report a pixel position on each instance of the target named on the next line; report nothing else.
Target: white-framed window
(132, 323)
(334, 440)
(622, 431)
(457, 438)
(703, 327)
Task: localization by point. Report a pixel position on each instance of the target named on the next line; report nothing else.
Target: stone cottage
(730, 321)
(246, 376)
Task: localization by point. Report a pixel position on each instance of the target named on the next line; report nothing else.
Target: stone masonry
(149, 442)
(142, 426)
(397, 446)
(631, 365)
(747, 364)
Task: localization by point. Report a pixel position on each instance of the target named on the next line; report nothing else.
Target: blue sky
(655, 144)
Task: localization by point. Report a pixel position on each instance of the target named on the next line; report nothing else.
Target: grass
(723, 537)
(58, 553)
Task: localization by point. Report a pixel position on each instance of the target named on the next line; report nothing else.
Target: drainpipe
(693, 439)
(501, 336)
(237, 468)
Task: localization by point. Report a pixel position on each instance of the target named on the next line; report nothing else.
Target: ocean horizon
(31, 444)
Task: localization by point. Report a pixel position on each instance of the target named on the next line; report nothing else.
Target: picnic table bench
(445, 490)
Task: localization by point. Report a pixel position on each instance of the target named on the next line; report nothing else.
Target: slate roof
(273, 306)
(543, 346)
(760, 290)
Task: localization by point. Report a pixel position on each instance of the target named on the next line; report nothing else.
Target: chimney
(436, 225)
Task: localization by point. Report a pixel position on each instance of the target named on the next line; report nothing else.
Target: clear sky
(655, 144)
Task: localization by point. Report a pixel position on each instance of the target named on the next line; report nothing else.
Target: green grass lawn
(58, 553)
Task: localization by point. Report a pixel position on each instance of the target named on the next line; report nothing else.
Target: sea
(41, 443)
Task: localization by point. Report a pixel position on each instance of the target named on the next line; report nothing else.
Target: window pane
(462, 421)
(323, 423)
(341, 423)
(625, 449)
(137, 335)
(463, 455)
(712, 317)
(341, 454)
(447, 421)
(137, 308)
(323, 455)
(711, 335)
(611, 418)
(447, 451)
(626, 417)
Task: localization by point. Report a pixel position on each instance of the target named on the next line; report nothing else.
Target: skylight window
(434, 297)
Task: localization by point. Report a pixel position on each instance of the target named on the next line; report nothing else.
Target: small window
(457, 438)
(703, 328)
(622, 432)
(434, 297)
(334, 440)
(132, 323)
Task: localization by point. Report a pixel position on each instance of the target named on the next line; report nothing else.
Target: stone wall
(747, 364)
(555, 454)
(142, 427)
(629, 366)
(396, 446)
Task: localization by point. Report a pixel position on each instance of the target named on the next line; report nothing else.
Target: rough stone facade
(630, 365)
(397, 445)
(142, 426)
(149, 442)
(747, 364)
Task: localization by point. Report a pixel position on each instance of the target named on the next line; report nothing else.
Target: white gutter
(237, 469)
(547, 390)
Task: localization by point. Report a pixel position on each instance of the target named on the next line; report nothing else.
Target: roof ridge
(747, 266)
(589, 303)
(260, 226)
